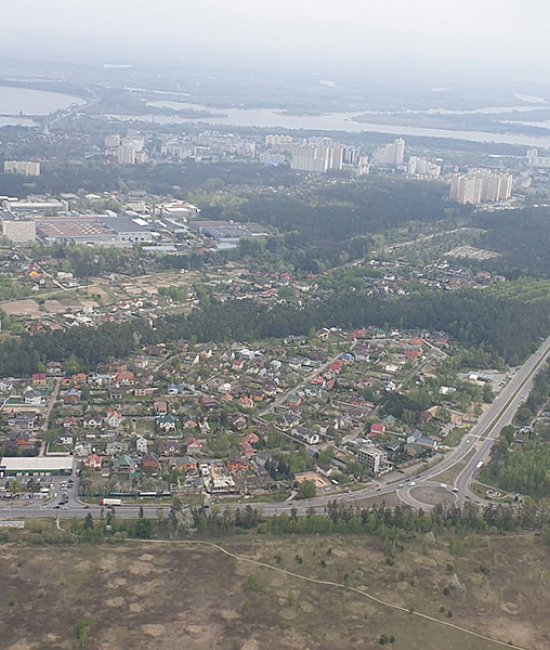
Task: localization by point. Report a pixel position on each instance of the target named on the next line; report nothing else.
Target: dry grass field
(172, 596)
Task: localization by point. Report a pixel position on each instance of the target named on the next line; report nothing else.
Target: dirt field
(180, 596)
(26, 307)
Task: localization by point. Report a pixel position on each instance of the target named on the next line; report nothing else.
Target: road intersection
(466, 458)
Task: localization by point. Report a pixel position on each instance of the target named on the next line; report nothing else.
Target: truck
(110, 502)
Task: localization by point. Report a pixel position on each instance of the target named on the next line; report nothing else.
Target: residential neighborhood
(204, 421)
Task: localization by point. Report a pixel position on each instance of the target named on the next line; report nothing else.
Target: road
(319, 370)
(476, 444)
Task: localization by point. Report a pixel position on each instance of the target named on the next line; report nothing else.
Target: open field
(176, 595)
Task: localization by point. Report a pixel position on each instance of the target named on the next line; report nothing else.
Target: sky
(280, 31)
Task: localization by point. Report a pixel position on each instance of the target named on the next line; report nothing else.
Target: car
(86, 507)
(56, 507)
(64, 507)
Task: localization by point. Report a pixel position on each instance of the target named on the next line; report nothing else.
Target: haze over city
(360, 33)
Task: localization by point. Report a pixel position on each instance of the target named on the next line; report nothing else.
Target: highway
(476, 444)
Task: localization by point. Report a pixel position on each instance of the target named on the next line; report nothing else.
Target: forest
(506, 330)
(520, 462)
(521, 237)
(332, 212)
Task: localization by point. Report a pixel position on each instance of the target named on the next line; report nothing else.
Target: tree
(143, 529)
(307, 489)
(83, 630)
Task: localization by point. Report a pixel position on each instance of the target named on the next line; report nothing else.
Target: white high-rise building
(23, 167)
(534, 160)
(391, 154)
(112, 141)
(318, 156)
(363, 166)
(481, 186)
(423, 167)
(277, 140)
(126, 154)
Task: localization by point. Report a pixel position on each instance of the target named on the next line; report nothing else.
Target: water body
(17, 121)
(272, 118)
(541, 124)
(24, 101)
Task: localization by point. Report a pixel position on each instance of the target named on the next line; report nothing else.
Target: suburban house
(418, 438)
(124, 463)
(125, 378)
(72, 396)
(169, 448)
(161, 407)
(93, 462)
(185, 464)
(32, 397)
(236, 465)
(166, 423)
(114, 448)
(113, 419)
(193, 446)
(151, 463)
(40, 379)
(142, 445)
(91, 422)
(377, 429)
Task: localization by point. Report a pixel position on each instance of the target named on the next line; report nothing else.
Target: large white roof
(37, 463)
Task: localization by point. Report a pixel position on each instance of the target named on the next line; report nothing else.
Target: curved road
(476, 444)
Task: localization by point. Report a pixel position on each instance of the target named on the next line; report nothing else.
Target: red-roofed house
(246, 448)
(193, 445)
(93, 462)
(161, 407)
(252, 439)
(377, 429)
(125, 378)
(336, 366)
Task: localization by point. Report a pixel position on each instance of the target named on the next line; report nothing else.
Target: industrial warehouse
(36, 466)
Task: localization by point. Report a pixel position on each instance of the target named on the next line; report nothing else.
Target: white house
(141, 445)
(32, 397)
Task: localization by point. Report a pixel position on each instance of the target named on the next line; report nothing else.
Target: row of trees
(392, 525)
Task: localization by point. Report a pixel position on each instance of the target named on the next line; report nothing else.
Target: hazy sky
(351, 30)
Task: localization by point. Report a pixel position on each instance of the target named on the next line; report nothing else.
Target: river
(20, 104)
(272, 118)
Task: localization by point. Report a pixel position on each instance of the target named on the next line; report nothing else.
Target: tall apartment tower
(390, 154)
(481, 186)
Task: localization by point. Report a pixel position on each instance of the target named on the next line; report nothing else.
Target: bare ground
(181, 596)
